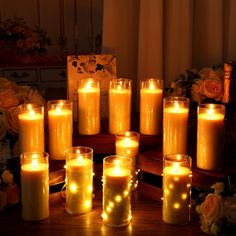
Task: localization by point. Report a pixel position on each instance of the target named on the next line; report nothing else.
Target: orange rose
(8, 98)
(212, 208)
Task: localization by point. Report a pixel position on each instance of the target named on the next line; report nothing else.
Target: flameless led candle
(60, 126)
(88, 106)
(31, 128)
(175, 125)
(79, 180)
(119, 105)
(151, 106)
(34, 185)
(116, 191)
(210, 136)
(127, 144)
(177, 179)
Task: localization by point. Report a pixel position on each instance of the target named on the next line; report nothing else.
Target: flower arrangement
(11, 96)
(205, 85)
(217, 210)
(18, 37)
(9, 191)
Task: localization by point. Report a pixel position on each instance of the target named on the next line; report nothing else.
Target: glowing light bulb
(90, 188)
(126, 193)
(184, 196)
(104, 215)
(176, 205)
(111, 204)
(87, 203)
(73, 188)
(118, 198)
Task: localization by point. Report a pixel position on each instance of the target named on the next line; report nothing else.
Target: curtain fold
(162, 38)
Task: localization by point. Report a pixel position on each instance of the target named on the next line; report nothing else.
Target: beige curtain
(162, 38)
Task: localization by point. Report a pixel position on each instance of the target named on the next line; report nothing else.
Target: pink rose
(212, 88)
(212, 208)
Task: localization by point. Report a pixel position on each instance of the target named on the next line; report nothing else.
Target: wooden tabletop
(146, 218)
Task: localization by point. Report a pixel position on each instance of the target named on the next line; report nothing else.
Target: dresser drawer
(53, 74)
(21, 75)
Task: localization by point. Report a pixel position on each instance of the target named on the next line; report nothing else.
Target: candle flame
(176, 205)
(35, 163)
(151, 87)
(119, 87)
(176, 106)
(80, 158)
(89, 85)
(211, 111)
(58, 109)
(73, 188)
(29, 107)
(127, 133)
(31, 113)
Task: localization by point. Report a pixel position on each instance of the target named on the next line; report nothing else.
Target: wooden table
(146, 213)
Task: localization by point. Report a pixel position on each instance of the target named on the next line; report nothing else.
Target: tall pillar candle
(151, 106)
(34, 186)
(88, 106)
(79, 180)
(177, 180)
(175, 125)
(210, 136)
(60, 127)
(116, 191)
(127, 144)
(31, 128)
(119, 105)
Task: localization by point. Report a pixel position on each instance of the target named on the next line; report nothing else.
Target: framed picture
(100, 67)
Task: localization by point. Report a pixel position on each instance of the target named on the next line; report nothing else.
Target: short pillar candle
(119, 105)
(79, 180)
(175, 125)
(177, 180)
(151, 106)
(34, 186)
(31, 128)
(60, 127)
(127, 144)
(116, 191)
(88, 106)
(210, 136)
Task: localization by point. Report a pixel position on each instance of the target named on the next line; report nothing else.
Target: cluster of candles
(120, 171)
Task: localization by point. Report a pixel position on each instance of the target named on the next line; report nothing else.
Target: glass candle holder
(177, 180)
(175, 125)
(34, 185)
(31, 128)
(127, 144)
(60, 127)
(210, 136)
(88, 106)
(79, 180)
(151, 93)
(116, 191)
(119, 105)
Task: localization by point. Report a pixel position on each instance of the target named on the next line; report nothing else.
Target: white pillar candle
(175, 125)
(151, 106)
(79, 180)
(116, 191)
(60, 127)
(31, 128)
(210, 136)
(177, 179)
(127, 144)
(119, 105)
(88, 106)
(34, 186)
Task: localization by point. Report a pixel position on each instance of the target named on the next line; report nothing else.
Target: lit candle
(210, 136)
(60, 126)
(175, 125)
(127, 144)
(119, 105)
(88, 106)
(79, 180)
(177, 179)
(116, 191)
(31, 128)
(34, 186)
(151, 106)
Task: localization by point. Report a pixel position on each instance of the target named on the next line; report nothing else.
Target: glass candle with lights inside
(151, 106)
(31, 128)
(127, 144)
(88, 106)
(60, 127)
(79, 180)
(34, 186)
(177, 180)
(119, 105)
(175, 125)
(116, 191)
(210, 136)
